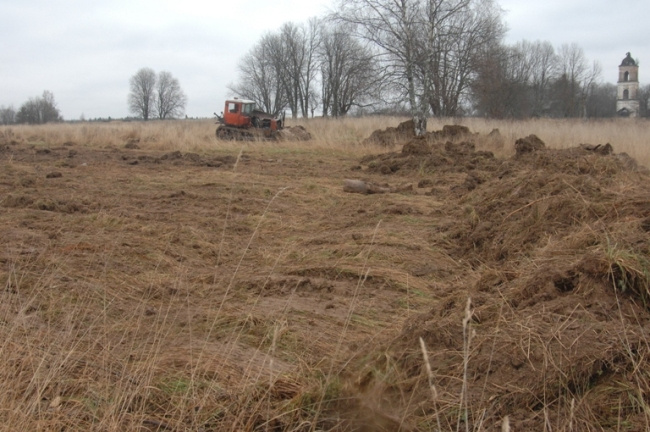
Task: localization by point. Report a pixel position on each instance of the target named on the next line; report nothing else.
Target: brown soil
(392, 135)
(182, 291)
(294, 133)
(553, 246)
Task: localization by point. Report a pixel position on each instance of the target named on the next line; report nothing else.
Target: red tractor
(241, 121)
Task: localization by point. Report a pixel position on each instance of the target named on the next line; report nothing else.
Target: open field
(152, 278)
(343, 135)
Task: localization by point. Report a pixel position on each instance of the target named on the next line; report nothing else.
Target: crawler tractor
(241, 121)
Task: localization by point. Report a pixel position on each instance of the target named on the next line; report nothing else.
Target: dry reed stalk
(505, 424)
(432, 386)
(468, 336)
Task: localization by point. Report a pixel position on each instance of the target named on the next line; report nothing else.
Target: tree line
(423, 57)
(533, 79)
(151, 96)
(36, 110)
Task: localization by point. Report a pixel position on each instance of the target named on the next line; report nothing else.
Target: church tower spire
(627, 102)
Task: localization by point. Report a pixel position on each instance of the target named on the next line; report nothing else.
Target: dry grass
(143, 292)
(625, 135)
(345, 135)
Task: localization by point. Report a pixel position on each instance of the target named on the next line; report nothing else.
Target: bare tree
(7, 115)
(392, 26)
(29, 112)
(457, 32)
(602, 101)
(349, 72)
(39, 110)
(429, 47)
(260, 76)
(48, 108)
(529, 79)
(310, 72)
(575, 81)
(142, 98)
(297, 56)
(587, 85)
(515, 81)
(644, 98)
(281, 70)
(169, 97)
(543, 70)
(500, 86)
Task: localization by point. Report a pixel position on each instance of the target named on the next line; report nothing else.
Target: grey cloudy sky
(606, 30)
(85, 52)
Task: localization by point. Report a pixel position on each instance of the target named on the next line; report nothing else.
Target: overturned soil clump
(452, 149)
(392, 135)
(549, 322)
(295, 133)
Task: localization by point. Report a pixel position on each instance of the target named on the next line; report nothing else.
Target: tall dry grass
(76, 350)
(345, 135)
(625, 135)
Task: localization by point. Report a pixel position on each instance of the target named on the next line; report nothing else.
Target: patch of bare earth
(248, 291)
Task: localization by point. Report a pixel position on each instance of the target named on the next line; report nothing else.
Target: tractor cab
(238, 112)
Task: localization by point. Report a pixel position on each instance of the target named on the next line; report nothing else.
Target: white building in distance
(627, 102)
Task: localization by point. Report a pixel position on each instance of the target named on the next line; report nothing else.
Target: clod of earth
(294, 133)
(529, 144)
(557, 242)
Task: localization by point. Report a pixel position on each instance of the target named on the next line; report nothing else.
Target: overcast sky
(85, 51)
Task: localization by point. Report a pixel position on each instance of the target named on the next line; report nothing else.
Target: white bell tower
(627, 102)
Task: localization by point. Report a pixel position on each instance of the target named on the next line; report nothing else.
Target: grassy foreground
(152, 278)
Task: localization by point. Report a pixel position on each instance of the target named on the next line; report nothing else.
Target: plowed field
(245, 290)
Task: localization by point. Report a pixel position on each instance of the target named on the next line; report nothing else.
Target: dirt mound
(450, 132)
(392, 135)
(452, 149)
(529, 144)
(427, 155)
(549, 324)
(294, 133)
(405, 132)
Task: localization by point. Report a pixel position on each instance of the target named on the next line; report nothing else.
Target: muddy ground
(246, 290)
